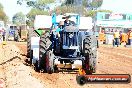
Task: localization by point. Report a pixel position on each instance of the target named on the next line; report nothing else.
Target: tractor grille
(70, 38)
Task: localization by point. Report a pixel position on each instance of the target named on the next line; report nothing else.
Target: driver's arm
(61, 24)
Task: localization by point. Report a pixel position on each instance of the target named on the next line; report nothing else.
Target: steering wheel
(72, 23)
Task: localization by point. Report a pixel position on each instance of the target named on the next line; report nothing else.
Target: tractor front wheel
(90, 53)
(45, 53)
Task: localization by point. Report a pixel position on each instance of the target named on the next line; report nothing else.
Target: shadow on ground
(26, 61)
(23, 55)
(16, 57)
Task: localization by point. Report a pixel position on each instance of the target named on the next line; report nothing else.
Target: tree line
(85, 7)
(3, 16)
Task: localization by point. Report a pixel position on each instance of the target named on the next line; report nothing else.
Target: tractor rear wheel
(90, 53)
(36, 68)
(45, 60)
(28, 45)
(30, 34)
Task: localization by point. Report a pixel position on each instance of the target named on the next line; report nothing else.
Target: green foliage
(1, 6)
(96, 3)
(38, 7)
(92, 13)
(19, 18)
(33, 12)
(3, 16)
(68, 2)
(93, 4)
(38, 4)
(71, 2)
(68, 6)
(44, 2)
(85, 3)
(69, 9)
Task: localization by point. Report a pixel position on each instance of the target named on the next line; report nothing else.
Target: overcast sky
(118, 5)
(10, 6)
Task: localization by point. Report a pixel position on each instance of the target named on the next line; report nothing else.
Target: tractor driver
(65, 23)
(68, 22)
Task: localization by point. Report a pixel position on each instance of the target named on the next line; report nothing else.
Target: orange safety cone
(81, 71)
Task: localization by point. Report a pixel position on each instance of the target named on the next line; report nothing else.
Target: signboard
(122, 24)
(115, 16)
(104, 19)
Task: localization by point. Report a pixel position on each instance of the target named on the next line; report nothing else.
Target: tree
(33, 12)
(3, 15)
(68, 2)
(92, 13)
(70, 9)
(85, 3)
(38, 4)
(19, 18)
(96, 3)
(1, 6)
(75, 6)
(76, 2)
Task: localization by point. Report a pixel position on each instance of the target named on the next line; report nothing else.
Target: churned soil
(17, 74)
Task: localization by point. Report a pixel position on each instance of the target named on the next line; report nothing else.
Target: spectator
(130, 37)
(116, 38)
(68, 22)
(3, 35)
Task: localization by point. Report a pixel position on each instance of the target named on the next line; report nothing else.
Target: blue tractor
(67, 48)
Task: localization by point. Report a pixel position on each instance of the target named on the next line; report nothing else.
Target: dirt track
(111, 60)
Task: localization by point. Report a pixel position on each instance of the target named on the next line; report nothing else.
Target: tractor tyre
(28, 45)
(49, 62)
(44, 47)
(30, 34)
(90, 53)
(36, 68)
